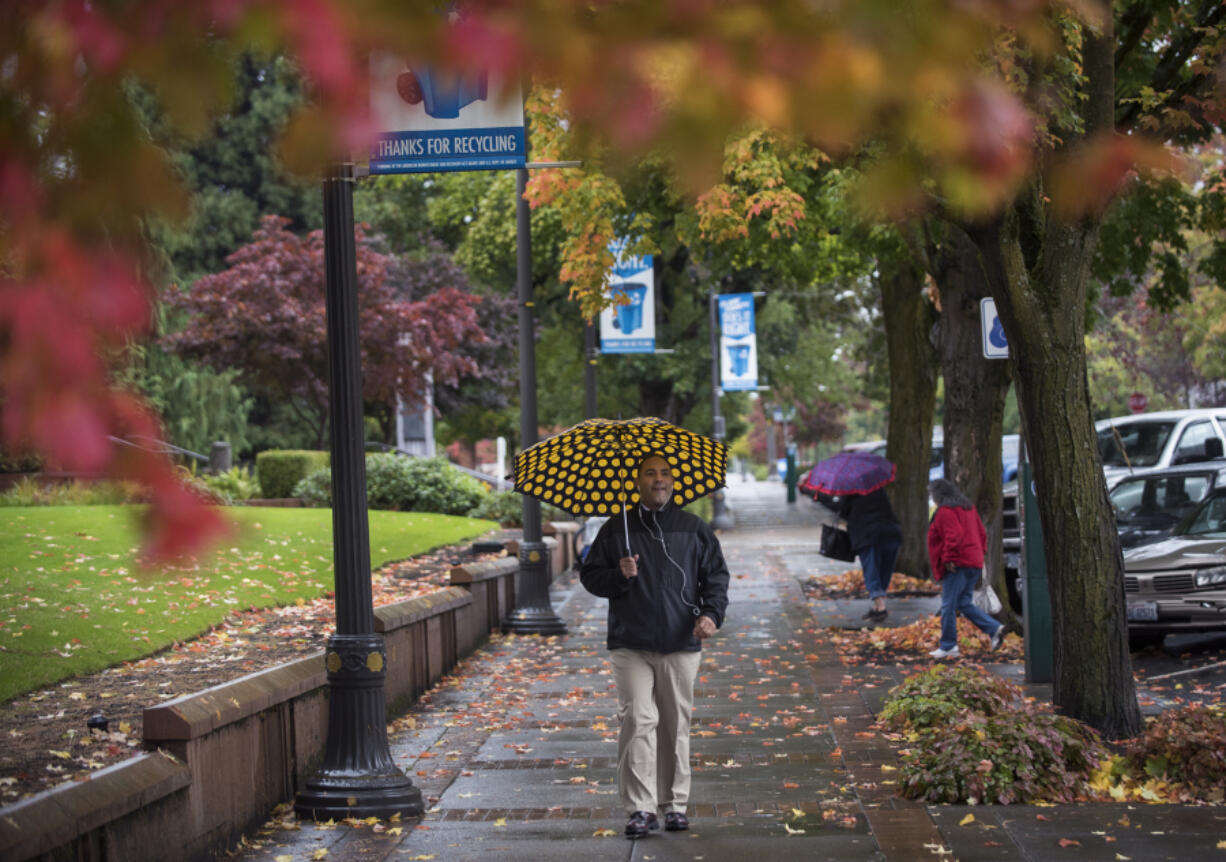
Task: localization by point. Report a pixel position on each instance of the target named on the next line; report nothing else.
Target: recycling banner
(630, 326)
(443, 120)
(738, 342)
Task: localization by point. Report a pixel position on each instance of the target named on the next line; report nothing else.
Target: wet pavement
(516, 751)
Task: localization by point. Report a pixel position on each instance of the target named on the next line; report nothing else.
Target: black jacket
(870, 519)
(653, 611)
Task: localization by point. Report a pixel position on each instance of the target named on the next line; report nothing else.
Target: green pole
(1036, 597)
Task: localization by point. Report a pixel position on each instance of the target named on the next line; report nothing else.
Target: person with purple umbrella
(854, 482)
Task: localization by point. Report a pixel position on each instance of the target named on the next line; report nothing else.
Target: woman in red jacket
(956, 543)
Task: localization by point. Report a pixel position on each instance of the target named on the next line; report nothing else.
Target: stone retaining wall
(221, 759)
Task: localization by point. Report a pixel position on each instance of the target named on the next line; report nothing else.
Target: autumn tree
(265, 317)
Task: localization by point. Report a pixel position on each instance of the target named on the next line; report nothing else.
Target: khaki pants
(655, 694)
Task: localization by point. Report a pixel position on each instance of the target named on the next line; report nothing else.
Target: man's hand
(949, 566)
(629, 566)
(704, 628)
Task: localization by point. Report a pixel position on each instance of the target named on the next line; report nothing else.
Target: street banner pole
(533, 614)
(721, 518)
(358, 777)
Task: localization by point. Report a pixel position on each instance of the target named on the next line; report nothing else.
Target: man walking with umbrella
(663, 572)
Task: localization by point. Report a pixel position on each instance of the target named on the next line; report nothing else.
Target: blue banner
(738, 342)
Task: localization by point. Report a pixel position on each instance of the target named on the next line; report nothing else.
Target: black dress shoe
(640, 823)
(675, 821)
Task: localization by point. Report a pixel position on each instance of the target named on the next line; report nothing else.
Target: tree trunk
(975, 390)
(1041, 302)
(908, 319)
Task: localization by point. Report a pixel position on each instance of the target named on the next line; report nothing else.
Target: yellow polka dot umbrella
(590, 469)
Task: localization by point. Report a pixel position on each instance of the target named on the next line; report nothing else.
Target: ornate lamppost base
(358, 777)
(533, 621)
(533, 614)
(335, 797)
(721, 517)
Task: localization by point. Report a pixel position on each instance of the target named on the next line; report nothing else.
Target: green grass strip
(73, 599)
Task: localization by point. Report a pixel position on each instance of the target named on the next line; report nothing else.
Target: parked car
(1130, 446)
(1154, 441)
(1149, 507)
(1179, 584)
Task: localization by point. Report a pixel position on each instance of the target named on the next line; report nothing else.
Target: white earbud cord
(660, 538)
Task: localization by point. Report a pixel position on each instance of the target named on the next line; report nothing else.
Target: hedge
(279, 470)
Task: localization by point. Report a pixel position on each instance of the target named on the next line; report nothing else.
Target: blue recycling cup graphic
(444, 93)
(628, 318)
(738, 356)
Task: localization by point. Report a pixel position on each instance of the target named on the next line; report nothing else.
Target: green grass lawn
(74, 600)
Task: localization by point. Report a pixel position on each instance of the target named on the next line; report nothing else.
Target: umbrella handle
(626, 526)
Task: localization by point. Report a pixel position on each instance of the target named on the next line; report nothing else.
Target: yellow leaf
(125, 727)
(796, 812)
(76, 695)
(395, 830)
(603, 833)
(970, 818)
(501, 821)
(284, 857)
(62, 755)
(421, 857)
(885, 767)
(321, 853)
(1122, 858)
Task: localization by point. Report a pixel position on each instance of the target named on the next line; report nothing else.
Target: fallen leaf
(603, 833)
(501, 821)
(1069, 842)
(970, 818)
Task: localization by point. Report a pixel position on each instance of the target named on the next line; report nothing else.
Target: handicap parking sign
(995, 345)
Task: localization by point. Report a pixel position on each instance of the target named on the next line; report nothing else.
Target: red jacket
(956, 536)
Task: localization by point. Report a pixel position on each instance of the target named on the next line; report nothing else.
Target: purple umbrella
(851, 473)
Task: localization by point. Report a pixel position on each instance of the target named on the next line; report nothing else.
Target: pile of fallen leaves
(911, 643)
(850, 585)
(44, 737)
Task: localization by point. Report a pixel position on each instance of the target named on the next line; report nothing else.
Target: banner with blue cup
(443, 120)
(738, 342)
(630, 325)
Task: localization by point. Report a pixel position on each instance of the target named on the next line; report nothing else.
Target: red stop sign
(1137, 402)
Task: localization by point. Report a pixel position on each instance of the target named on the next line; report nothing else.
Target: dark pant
(878, 561)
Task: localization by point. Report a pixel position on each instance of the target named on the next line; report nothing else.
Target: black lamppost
(721, 518)
(533, 614)
(590, 352)
(358, 777)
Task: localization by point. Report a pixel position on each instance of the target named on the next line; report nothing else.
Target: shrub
(507, 508)
(230, 487)
(420, 484)
(316, 489)
(935, 697)
(405, 484)
(279, 470)
(1187, 746)
(32, 492)
(1016, 757)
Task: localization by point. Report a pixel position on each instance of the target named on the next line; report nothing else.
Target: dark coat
(655, 611)
(870, 519)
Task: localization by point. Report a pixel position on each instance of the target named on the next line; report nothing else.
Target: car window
(1191, 445)
(1142, 441)
(1210, 518)
(1126, 496)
